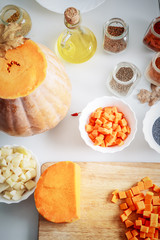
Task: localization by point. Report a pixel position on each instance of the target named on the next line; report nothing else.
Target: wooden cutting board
(99, 217)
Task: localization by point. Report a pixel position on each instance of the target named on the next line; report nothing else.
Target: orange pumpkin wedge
(22, 70)
(57, 195)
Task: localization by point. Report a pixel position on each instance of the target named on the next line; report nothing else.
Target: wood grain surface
(99, 217)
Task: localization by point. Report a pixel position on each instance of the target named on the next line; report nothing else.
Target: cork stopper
(72, 15)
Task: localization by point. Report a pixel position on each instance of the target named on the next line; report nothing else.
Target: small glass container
(152, 72)
(152, 35)
(12, 13)
(115, 36)
(76, 44)
(124, 78)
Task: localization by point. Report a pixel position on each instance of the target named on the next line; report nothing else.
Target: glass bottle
(115, 35)
(152, 35)
(152, 72)
(12, 13)
(124, 78)
(76, 44)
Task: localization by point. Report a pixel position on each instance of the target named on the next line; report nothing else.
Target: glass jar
(115, 35)
(152, 72)
(12, 13)
(124, 78)
(77, 43)
(152, 35)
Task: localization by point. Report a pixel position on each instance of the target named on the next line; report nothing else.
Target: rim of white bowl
(84, 134)
(147, 129)
(30, 192)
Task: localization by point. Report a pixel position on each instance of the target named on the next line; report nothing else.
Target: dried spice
(150, 97)
(113, 45)
(156, 131)
(9, 38)
(115, 31)
(115, 35)
(124, 74)
(153, 70)
(14, 17)
(152, 37)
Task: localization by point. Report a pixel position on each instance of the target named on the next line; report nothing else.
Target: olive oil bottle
(76, 44)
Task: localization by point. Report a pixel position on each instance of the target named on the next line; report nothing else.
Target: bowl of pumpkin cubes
(108, 124)
(19, 173)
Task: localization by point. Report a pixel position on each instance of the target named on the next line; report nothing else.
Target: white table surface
(20, 221)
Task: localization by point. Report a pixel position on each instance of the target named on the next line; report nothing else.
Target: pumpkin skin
(42, 109)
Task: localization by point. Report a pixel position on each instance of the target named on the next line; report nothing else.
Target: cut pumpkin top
(23, 70)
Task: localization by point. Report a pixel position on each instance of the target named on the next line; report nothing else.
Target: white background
(20, 221)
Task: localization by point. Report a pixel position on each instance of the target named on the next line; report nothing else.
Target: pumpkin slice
(22, 71)
(57, 195)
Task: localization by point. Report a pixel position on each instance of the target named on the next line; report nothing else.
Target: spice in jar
(156, 131)
(14, 17)
(12, 13)
(124, 75)
(152, 72)
(152, 36)
(123, 79)
(115, 36)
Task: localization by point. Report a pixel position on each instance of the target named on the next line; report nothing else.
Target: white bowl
(104, 102)
(150, 117)
(27, 193)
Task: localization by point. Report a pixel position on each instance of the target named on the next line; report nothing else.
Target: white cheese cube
(7, 173)
(28, 175)
(7, 195)
(22, 177)
(2, 179)
(13, 192)
(6, 151)
(16, 160)
(17, 186)
(30, 184)
(3, 163)
(33, 173)
(17, 171)
(16, 197)
(3, 186)
(14, 177)
(10, 182)
(9, 158)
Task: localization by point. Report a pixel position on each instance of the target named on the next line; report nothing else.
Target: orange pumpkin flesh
(26, 73)
(57, 195)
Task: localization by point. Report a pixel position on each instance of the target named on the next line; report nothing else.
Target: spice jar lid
(72, 15)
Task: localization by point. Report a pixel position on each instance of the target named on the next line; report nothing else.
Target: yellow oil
(77, 45)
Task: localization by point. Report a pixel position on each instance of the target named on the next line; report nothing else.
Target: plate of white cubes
(19, 173)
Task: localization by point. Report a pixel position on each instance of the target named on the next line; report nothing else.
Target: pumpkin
(35, 91)
(57, 194)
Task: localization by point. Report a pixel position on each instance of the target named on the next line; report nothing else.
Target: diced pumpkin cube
(123, 217)
(144, 229)
(89, 128)
(99, 122)
(135, 190)
(123, 122)
(122, 194)
(129, 235)
(141, 185)
(128, 223)
(98, 114)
